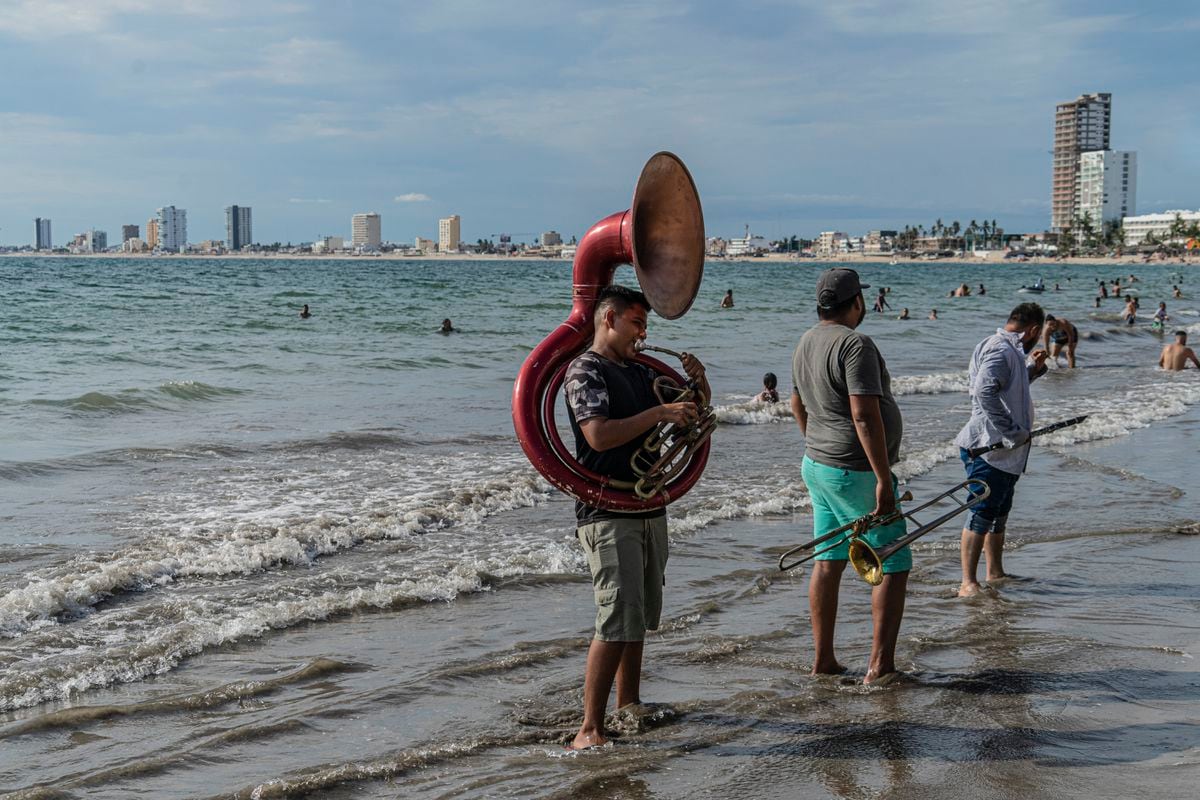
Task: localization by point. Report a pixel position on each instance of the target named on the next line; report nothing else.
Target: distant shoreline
(994, 257)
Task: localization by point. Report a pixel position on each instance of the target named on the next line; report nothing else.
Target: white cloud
(413, 197)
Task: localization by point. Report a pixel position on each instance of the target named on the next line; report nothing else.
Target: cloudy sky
(794, 116)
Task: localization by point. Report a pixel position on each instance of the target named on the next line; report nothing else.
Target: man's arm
(799, 412)
(1192, 355)
(1162, 358)
(868, 423)
(603, 433)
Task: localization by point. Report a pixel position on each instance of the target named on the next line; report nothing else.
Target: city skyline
(799, 119)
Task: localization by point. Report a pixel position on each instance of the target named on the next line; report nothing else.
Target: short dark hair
(1027, 314)
(1049, 318)
(1182, 334)
(619, 299)
(770, 381)
(837, 309)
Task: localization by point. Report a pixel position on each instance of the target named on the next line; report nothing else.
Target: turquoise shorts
(840, 496)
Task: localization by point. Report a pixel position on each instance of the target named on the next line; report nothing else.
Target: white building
(42, 234)
(172, 229)
(96, 241)
(366, 231)
(449, 234)
(1136, 228)
(133, 244)
(328, 244)
(238, 229)
(1107, 187)
(832, 242)
(748, 245)
(425, 246)
(551, 239)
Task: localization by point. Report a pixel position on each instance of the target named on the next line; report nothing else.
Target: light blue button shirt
(1001, 405)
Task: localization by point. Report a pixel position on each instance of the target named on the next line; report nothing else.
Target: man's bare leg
(970, 546)
(604, 658)
(629, 675)
(822, 605)
(887, 609)
(993, 548)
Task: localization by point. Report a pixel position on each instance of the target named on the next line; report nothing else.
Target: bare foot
(969, 589)
(833, 668)
(1001, 576)
(875, 679)
(586, 741)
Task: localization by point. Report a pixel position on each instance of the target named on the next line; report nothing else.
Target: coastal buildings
(425, 246)
(329, 244)
(877, 242)
(1080, 126)
(1107, 187)
(831, 242)
(551, 239)
(748, 245)
(93, 241)
(152, 233)
(172, 229)
(238, 231)
(450, 234)
(41, 234)
(1137, 228)
(129, 232)
(366, 231)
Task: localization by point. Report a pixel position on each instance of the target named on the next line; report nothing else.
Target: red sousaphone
(662, 235)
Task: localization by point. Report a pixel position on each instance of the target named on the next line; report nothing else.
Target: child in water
(769, 394)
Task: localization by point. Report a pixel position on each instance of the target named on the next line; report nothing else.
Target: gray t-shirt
(831, 363)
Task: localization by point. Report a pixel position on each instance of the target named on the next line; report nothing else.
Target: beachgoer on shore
(769, 393)
(1175, 357)
(727, 300)
(842, 401)
(1002, 367)
(611, 408)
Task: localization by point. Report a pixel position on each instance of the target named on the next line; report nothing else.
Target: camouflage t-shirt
(597, 387)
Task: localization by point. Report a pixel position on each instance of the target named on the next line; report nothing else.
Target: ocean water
(245, 554)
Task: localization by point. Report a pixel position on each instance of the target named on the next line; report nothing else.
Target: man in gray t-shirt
(842, 401)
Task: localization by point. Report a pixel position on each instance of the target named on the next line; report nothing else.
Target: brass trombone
(668, 448)
(868, 562)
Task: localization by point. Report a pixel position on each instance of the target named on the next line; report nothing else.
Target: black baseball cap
(838, 285)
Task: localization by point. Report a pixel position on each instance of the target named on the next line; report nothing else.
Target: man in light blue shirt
(1002, 368)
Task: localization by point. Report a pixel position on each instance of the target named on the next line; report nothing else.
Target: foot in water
(969, 589)
(885, 679)
(587, 741)
(833, 668)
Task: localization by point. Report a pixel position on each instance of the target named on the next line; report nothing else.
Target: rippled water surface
(247, 554)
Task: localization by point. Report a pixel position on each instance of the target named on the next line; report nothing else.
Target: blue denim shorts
(990, 515)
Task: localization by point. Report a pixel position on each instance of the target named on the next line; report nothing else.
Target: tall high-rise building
(96, 241)
(366, 231)
(172, 229)
(1107, 187)
(1080, 126)
(449, 234)
(152, 233)
(42, 234)
(238, 232)
(129, 232)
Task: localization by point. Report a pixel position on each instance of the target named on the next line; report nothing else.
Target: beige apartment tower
(449, 234)
(1080, 126)
(365, 231)
(152, 233)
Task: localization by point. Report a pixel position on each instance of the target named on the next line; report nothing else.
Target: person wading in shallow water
(1001, 370)
(612, 406)
(842, 401)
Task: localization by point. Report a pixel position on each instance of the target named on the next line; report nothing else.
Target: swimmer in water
(727, 300)
(1174, 357)
(447, 327)
(933, 313)
(769, 394)
(1130, 311)
(1063, 334)
(903, 314)
(304, 314)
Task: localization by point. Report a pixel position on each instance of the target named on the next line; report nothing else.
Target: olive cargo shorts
(628, 558)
